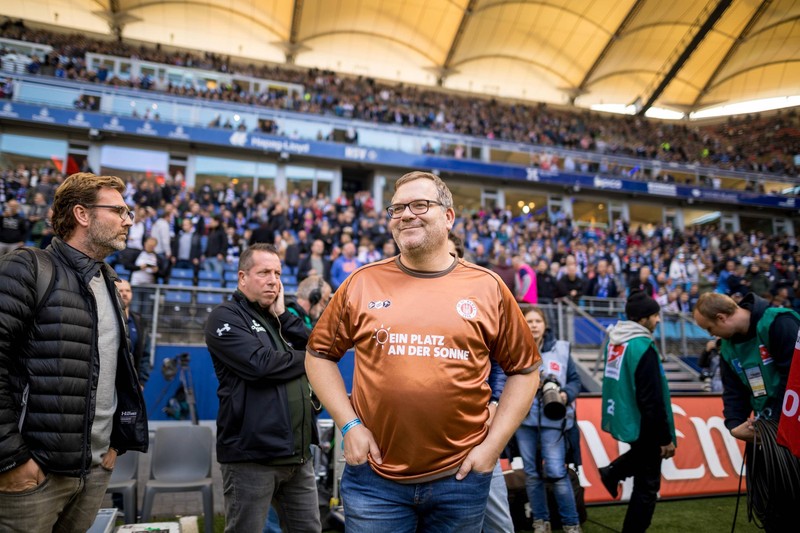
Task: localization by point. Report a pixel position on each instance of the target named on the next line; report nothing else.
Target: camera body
(171, 365)
(552, 403)
(182, 405)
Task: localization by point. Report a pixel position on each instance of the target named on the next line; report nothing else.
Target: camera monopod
(179, 366)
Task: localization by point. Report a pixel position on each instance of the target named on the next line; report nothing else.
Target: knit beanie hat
(640, 305)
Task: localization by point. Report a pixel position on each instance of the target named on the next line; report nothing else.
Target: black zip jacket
(49, 366)
(260, 364)
(650, 400)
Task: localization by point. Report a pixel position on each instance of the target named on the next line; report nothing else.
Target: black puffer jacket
(49, 365)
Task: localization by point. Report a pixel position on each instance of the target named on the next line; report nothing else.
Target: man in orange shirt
(424, 325)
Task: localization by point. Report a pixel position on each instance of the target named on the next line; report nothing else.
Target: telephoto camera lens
(552, 404)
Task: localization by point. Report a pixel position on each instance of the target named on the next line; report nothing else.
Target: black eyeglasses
(418, 207)
(122, 210)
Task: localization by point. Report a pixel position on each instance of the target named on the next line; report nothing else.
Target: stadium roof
(682, 55)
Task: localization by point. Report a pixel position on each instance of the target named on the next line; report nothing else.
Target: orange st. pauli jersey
(422, 347)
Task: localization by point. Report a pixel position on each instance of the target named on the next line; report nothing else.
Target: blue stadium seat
(210, 283)
(673, 331)
(227, 267)
(206, 302)
(289, 288)
(177, 307)
(211, 276)
(693, 331)
(231, 279)
(185, 273)
(177, 297)
(181, 282)
(210, 298)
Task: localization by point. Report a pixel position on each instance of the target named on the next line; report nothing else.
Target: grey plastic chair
(181, 462)
(124, 481)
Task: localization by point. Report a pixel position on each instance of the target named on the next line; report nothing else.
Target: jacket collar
(82, 264)
(757, 306)
(252, 307)
(549, 341)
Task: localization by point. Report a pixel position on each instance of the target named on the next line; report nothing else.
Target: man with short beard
(69, 397)
(424, 325)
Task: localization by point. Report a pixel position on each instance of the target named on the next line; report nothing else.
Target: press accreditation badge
(756, 381)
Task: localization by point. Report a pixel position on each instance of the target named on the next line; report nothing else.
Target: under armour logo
(223, 329)
(609, 409)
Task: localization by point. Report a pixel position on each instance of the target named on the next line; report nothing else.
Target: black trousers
(643, 462)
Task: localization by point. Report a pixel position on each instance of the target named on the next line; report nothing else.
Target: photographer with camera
(542, 436)
(709, 365)
(637, 409)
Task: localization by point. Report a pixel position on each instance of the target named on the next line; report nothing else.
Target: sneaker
(611, 485)
(541, 526)
(572, 529)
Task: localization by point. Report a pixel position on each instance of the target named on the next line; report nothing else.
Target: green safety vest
(752, 362)
(621, 416)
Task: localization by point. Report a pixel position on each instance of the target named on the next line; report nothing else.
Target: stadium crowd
(207, 227)
(753, 143)
(542, 257)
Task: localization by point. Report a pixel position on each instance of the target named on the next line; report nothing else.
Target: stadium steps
(680, 376)
(585, 360)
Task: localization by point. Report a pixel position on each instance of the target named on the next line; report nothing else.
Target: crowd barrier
(158, 392)
(707, 462)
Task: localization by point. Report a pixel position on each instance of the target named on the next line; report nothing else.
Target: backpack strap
(43, 265)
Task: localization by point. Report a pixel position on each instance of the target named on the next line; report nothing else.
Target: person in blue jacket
(497, 517)
(542, 440)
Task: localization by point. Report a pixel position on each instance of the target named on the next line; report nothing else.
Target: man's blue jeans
(373, 504)
(553, 451)
(498, 515)
(212, 264)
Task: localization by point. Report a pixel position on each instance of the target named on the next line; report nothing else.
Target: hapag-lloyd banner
(124, 125)
(707, 461)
